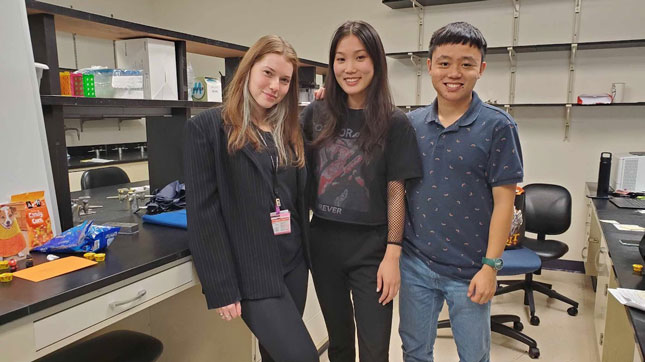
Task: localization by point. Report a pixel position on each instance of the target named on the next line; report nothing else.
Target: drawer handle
(584, 255)
(138, 296)
(600, 252)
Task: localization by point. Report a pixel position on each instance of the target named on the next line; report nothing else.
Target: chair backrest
(547, 209)
(106, 176)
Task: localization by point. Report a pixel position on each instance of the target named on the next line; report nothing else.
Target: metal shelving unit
(417, 56)
(165, 119)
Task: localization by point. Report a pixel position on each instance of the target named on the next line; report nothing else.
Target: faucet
(78, 132)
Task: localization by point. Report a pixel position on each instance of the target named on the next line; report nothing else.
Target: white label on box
(127, 81)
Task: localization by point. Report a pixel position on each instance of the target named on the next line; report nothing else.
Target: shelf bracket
(567, 121)
(87, 120)
(420, 17)
(516, 21)
(75, 51)
(572, 69)
(576, 20)
(512, 57)
(416, 60)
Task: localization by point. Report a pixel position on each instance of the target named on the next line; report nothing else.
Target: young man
(459, 214)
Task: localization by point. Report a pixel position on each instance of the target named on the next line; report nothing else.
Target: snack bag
(12, 240)
(518, 226)
(36, 217)
(82, 238)
(68, 241)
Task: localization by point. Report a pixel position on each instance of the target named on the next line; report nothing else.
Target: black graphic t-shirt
(345, 184)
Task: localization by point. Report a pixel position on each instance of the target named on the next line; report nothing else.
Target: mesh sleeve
(395, 210)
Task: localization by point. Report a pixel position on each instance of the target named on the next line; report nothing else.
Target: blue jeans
(421, 298)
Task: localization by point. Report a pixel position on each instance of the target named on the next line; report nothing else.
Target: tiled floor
(560, 337)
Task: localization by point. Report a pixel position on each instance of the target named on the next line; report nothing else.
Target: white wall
(541, 77)
(24, 153)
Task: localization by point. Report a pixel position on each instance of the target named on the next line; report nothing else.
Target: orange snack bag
(36, 217)
(12, 241)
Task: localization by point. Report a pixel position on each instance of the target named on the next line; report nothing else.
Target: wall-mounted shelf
(97, 108)
(165, 120)
(417, 57)
(401, 4)
(103, 27)
(541, 105)
(632, 43)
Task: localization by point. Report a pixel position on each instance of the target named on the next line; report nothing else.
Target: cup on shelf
(617, 91)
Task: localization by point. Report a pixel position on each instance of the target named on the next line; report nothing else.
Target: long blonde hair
(283, 117)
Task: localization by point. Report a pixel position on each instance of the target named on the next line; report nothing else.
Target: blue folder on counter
(175, 219)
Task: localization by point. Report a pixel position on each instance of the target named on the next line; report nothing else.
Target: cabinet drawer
(72, 320)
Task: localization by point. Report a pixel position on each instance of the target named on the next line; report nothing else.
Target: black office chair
(548, 212)
(106, 176)
(115, 346)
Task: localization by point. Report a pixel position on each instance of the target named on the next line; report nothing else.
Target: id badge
(281, 222)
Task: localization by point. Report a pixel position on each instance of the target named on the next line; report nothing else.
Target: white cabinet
(613, 332)
(70, 321)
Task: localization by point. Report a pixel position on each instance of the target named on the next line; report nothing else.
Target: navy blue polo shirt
(449, 209)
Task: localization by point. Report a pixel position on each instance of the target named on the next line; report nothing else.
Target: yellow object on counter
(89, 256)
(99, 257)
(6, 277)
(637, 268)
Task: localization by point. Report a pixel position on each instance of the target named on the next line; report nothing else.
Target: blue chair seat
(516, 261)
(519, 261)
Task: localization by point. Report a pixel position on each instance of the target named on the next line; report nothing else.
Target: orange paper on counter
(53, 268)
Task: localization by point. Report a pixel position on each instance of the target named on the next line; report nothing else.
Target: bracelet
(397, 243)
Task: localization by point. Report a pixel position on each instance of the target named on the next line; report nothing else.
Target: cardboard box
(207, 89)
(127, 84)
(157, 60)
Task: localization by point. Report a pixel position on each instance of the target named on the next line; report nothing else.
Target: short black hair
(458, 33)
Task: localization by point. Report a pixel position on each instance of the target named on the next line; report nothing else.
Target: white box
(207, 89)
(628, 172)
(157, 60)
(127, 84)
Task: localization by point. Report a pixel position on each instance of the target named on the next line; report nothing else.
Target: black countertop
(127, 157)
(623, 256)
(128, 255)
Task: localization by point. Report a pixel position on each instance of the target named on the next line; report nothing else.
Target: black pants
(345, 258)
(277, 322)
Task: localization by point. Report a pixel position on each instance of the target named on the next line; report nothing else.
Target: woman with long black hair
(360, 151)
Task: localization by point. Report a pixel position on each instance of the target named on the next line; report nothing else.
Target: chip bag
(34, 212)
(82, 238)
(518, 226)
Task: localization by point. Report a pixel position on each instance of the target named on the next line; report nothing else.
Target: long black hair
(378, 104)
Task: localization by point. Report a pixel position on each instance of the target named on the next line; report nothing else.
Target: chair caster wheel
(518, 326)
(535, 321)
(534, 352)
(573, 311)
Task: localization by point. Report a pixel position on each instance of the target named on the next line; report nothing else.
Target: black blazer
(228, 200)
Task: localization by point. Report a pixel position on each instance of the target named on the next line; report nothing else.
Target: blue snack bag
(68, 241)
(99, 237)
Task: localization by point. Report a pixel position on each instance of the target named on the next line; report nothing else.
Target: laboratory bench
(152, 272)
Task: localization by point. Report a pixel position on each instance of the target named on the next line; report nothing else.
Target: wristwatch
(496, 263)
